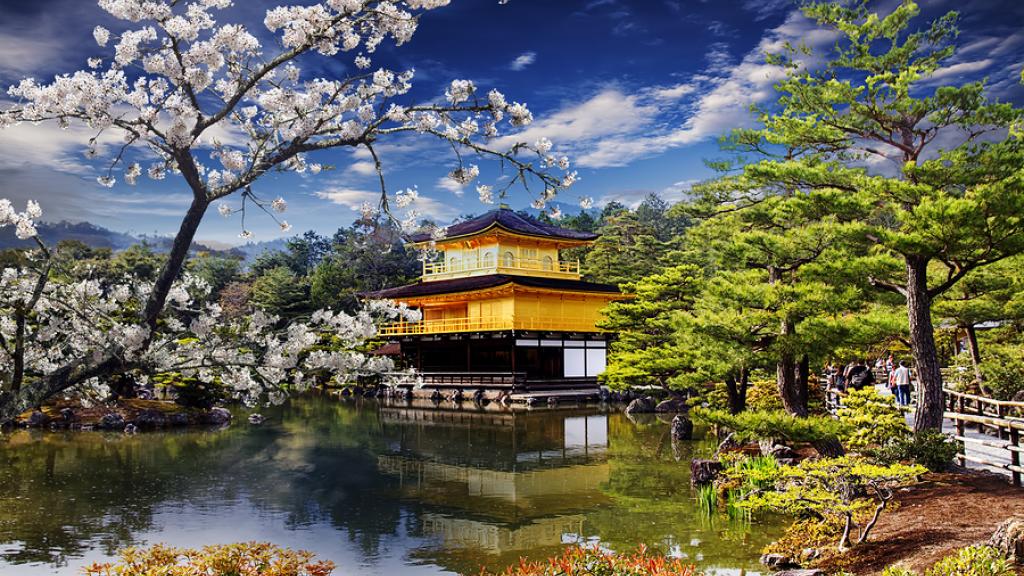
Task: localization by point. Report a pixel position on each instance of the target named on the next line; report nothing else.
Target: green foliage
(929, 448)
(815, 533)
(748, 426)
(217, 271)
(648, 349)
(633, 244)
(190, 391)
(973, 561)
(836, 489)
(871, 419)
(955, 205)
(280, 292)
(763, 396)
(1003, 367)
(898, 571)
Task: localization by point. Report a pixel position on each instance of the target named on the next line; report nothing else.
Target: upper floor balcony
(545, 267)
(489, 324)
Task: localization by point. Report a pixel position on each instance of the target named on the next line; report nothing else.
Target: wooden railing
(486, 324)
(510, 380)
(433, 270)
(1003, 420)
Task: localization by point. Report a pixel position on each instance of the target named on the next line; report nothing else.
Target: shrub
(898, 571)
(806, 533)
(871, 419)
(189, 391)
(580, 560)
(247, 559)
(931, 449)
(748, 426)
(837, 489)
(763, 396)
(1003, 367)
(973, 561)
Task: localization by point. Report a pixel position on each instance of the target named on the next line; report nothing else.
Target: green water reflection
(378, 489)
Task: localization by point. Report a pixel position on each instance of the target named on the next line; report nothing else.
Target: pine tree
(949, 197)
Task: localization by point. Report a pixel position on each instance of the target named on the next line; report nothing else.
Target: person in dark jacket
(861, 377)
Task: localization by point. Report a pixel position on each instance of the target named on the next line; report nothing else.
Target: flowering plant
(208, 102)
(56, 329)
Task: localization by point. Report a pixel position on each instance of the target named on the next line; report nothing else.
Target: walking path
(972, 449)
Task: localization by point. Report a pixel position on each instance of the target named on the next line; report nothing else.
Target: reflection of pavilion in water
(497, 482)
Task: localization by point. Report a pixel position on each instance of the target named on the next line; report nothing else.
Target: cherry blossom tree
(57, 333)
(207, 102)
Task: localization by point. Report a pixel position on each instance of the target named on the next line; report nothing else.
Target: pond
(377, 488)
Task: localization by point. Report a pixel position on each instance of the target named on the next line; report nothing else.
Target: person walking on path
(901, 384)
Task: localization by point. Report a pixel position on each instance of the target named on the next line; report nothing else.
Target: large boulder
(37, 419)
(112, 421)
(704, 471)
(643, 405)
(682, 428)
(777, 561)
(217, 417)
(1009, 539)
(177, 419)
(150, 419)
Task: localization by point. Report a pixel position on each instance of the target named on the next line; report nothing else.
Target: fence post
(960, 432)
(1015, 456)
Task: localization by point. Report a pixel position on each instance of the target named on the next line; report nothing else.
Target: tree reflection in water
(365, 484)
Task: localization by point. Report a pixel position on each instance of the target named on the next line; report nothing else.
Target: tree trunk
(922, 344)
(803, 376)
(175, 260)
(736, 388)
(793, 395)
(972, 346)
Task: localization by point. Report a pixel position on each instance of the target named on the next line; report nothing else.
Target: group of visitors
(858, 374)
(853, 376)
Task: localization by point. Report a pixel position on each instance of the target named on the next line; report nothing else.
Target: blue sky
(636, 92)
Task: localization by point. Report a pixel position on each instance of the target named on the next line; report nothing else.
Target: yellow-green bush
(871, 419)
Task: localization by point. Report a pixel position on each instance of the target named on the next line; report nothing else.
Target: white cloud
(446, 183)
(47, 145)
(613, 128)
(25, 55)
(674, 92)
(576, 128)
(632, 198)
(350, 197)
(363, 168)
(960, 69)
(523, 60)
(354, 198)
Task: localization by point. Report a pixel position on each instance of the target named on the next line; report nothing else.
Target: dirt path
(946, 512)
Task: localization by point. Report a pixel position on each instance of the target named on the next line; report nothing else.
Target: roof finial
(504, 206)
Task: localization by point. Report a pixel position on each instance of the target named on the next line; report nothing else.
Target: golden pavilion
(502, 309)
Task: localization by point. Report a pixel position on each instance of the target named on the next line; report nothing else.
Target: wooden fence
(1000, 428)
(988, 432)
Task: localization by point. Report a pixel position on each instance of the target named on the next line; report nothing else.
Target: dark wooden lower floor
(507, 360)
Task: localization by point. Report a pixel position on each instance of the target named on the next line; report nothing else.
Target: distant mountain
(52, 233)
(98, 237)
(253, 250)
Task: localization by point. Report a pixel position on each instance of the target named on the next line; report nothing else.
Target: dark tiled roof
(511, 221)
(456, 285)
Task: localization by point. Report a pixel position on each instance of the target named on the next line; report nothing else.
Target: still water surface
(378, 489)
